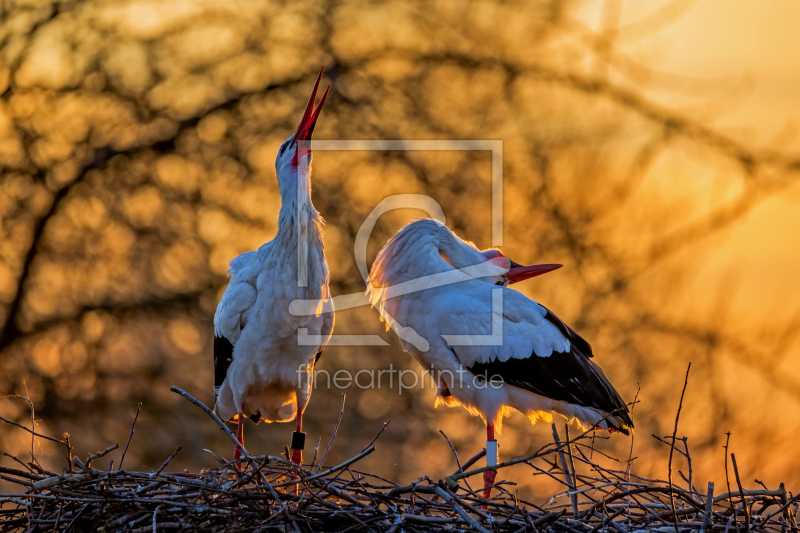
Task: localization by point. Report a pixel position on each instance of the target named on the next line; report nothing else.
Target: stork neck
(422, 248)
(455, 251)
(298, 219)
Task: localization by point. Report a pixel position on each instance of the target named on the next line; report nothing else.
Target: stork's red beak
(520, 273)
(309, 120)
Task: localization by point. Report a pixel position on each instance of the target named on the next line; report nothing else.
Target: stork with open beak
(489, 348)
(262, 370)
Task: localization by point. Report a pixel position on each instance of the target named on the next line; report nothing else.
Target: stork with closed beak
(489, 348)
(261, 368)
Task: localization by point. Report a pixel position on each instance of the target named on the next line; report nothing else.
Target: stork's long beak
(518, 272)
(309, 120)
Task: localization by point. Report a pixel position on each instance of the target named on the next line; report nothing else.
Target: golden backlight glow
(650, 147)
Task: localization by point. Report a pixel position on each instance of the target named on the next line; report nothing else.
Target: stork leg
(240, 437)
(298, 443)
(491, 460)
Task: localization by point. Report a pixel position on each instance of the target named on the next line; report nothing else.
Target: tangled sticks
(341, 498)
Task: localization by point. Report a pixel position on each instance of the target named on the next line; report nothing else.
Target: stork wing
(579, 342)
(241, 261)
(231, 316)
(565, 376)
(538, 353)
(325, 332)
(223, 355)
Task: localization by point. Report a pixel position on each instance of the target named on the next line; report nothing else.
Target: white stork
(261, 367)
(489, 348)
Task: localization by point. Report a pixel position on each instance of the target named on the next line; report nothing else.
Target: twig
(463, 503)
(607, 520)
(154, 515)
(471, 461)
(455, 454)
(546, 519)
(727, 477)
(574, 496)
(68, 444)
(567, 475)
(731, 520)
(33, 420)
(380, 432)
(471, 521)
(98, 455)
(786, 510)
(130, 436)
(165, 463)
(741, 492)
(756, 492)
(333, 435)
(453, 448)
(454, 478)
(213, 415)
(630, 451)
(369, 450)
(689, 462)
(316, 450)
(7, 421)
(672, 447)
(709, 508)
(77, 516)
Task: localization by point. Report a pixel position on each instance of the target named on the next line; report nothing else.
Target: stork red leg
(240, 437)
(298, 441)
(491, 460)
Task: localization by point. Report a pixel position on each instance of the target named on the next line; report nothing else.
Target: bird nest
(268, 493)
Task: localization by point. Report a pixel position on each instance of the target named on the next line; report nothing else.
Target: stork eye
(283, 147)
(499, 283)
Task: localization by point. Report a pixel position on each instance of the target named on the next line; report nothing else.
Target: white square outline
(347, 301)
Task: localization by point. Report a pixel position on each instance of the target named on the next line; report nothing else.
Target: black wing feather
(568, 377)
(223, 355)
(579, 342)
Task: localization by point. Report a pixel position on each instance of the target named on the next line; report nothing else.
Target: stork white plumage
(488, 348)
(261, 368)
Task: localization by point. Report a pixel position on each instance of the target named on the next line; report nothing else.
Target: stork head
(294, 155)
(514, 271)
